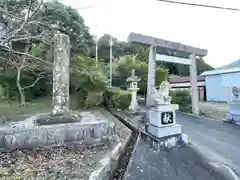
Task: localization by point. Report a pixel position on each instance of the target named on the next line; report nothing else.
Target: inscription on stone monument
(167, 118)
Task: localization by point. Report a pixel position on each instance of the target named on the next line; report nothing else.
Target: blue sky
(218, 31)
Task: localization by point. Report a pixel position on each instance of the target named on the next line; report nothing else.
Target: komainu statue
(236, 92)
(161, 96)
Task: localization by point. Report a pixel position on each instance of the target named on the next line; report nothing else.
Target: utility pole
(110, 64)
(96, 48)
(96, 53)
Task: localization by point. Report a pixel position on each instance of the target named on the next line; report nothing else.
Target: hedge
(117, 98)
(183, 99)
(83, 99)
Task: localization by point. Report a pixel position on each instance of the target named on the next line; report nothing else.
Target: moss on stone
(58, 119)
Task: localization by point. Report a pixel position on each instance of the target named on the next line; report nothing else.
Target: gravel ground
(60, 163)
(216, 111)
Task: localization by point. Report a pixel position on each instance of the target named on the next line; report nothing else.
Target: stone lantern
(134, 89)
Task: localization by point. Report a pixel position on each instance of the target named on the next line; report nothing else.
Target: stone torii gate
(163, 50)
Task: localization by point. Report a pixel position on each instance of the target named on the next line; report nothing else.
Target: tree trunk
(20, 90)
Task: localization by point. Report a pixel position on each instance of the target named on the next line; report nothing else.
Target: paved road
(181, 163)
(219, 141)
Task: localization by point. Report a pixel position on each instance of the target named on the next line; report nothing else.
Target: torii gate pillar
(193, 74)
(151, 74)
(194, 88)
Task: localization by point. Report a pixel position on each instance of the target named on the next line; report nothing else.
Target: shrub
(183, 99)
(89, 79)
(117, 98)
(93, 99)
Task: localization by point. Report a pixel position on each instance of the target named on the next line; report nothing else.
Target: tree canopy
(67, 20)
(26, 51)
(141, 51)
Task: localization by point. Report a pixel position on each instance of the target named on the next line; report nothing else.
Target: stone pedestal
(234, 112)
(164, 131)
(162, 121)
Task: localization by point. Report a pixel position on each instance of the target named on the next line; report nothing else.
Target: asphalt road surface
(180, 163)
(218, 141)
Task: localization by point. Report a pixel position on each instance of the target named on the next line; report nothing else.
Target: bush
(93, 99)
(183, 99)
(87, 76)
(117, 98)
(89, 80)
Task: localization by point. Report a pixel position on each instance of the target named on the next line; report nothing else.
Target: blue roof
(220, 71)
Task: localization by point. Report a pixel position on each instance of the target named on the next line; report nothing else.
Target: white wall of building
(219, 87)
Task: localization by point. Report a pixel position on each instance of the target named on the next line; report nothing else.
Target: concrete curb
(130, 160)
(218, 168)
(231, 122)
(109, 163)
(105, 164)
(225, 171)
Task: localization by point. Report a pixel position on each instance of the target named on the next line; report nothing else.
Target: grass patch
(35, 106)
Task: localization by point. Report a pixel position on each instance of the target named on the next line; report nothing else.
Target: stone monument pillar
(151, 74)
(134, 89)
(61, 74)
(162, 116)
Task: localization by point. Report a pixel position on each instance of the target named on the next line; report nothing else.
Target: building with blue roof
(219, 82)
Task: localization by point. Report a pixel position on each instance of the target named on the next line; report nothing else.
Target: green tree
(142, 53)
(68, 21)
(88, 80)
(202, 66)
(22, 31)
(28, 51)
(124, 66)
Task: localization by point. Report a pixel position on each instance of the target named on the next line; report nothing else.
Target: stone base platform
(232, 118)
(166, 142)
(160, 132)
(87, 130)
(234, 113)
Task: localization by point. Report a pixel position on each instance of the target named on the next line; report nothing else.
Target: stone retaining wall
(87, 133)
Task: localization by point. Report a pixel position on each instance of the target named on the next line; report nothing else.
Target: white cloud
(218, 31)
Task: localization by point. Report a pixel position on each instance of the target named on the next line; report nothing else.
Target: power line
(200, 5)
(87, 7)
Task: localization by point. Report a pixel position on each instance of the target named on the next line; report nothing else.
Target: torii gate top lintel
(166, 45)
